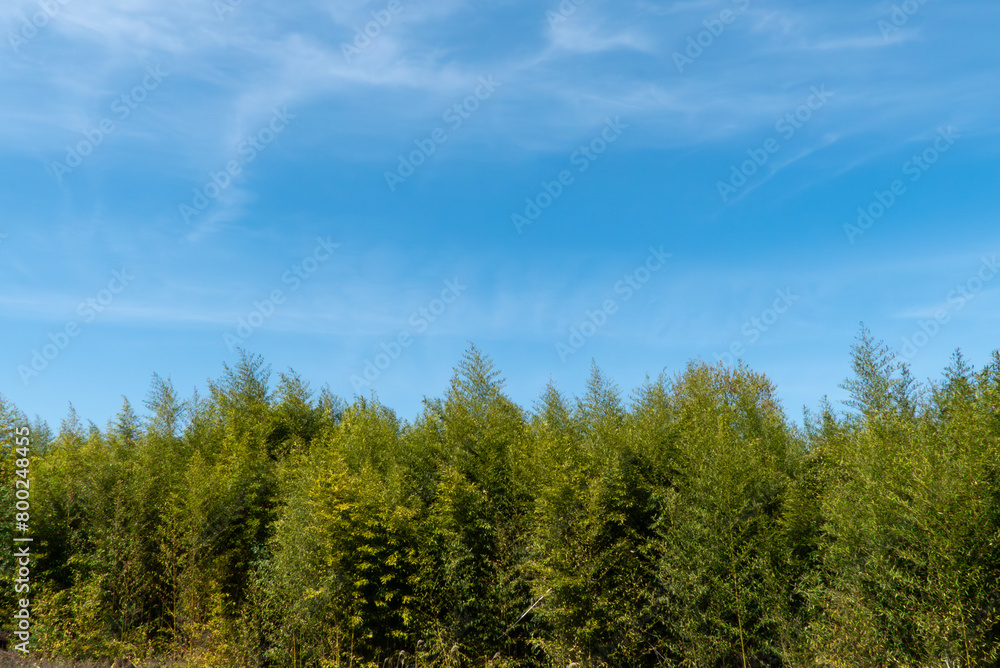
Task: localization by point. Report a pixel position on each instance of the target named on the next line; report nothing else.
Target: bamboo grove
(689, 523)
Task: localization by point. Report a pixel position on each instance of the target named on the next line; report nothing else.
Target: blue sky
(499, 172)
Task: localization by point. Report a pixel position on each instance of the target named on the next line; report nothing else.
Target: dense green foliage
(690, 525)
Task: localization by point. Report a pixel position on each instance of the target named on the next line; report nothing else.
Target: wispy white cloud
(589, 32)
(229, 74)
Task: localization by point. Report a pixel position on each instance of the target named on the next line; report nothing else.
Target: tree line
(688, 524)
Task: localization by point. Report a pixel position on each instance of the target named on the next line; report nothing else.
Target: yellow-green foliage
(690, 524)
